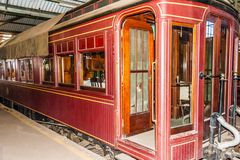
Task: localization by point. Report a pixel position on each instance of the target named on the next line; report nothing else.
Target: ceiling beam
(25, 24)
(9, 20)
(23, 15)
(26, 11)
(8, 31)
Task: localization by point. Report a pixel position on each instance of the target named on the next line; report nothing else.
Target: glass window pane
(10, 70)
(133, 48)
(48, 70)
(22, 71)
(1, 70)
(13, 72)
(145, 47)
(181, 77)
(139, 49)
(139, 92)
(66, 69)
(145, 92)
(93, 68)
(208, 68)
(139, 62)
(29, 69)
(133, 98)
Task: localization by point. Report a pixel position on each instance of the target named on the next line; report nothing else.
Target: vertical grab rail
(234, 107)
(221, 97)
(153, 89)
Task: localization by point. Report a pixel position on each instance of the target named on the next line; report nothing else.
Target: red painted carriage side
(91, 115)
(97, 113)
(83, 29)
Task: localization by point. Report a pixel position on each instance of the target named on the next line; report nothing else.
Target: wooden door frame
(126, 70)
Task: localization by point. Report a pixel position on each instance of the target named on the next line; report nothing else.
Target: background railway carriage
(127, 72)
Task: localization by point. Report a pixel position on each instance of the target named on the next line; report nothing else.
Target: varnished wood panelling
(184, 151)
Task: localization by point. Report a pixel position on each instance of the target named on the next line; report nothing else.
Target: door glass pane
(145, 51)
(208, 68)
(181, 76)
(145, 92)
(139, 91)
(140, 50)
(139, 62)
(133, 94)
(133, 48)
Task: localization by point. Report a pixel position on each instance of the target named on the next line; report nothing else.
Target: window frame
(71, 85)
(218, 22)
(53, 71)
(90, 88)
(12, 63)
(3, 70)
(185, 127)
(27, 77)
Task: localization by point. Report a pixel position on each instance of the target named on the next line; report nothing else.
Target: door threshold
(135, 150)
(144, 139)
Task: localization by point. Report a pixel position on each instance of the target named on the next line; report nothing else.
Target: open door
(137, 95)
(216, 63)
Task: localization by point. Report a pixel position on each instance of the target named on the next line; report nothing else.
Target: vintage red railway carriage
(127, 73)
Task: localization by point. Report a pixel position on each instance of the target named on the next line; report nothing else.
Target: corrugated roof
(18, 15)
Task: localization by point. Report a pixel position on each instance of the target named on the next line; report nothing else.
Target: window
(48, 70)
(181, 77)
(139, 70)
(209, 29)
(66, 69)
(2, 70)
(208, 68)
(93, 70)
(10, 70)
(26, 70)
(223, 59)
(216, 63)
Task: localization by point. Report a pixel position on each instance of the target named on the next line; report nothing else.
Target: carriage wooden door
(138, 55)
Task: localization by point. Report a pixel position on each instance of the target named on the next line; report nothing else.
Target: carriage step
(123, 156)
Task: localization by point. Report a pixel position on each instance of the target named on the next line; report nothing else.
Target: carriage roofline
(224, 5)
(111, 8)
(119, 5)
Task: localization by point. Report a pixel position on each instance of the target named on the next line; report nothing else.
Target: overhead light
(6, 38)
(69, 5)
(7, 35)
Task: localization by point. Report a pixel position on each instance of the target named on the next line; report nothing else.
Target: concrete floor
(23, 139)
